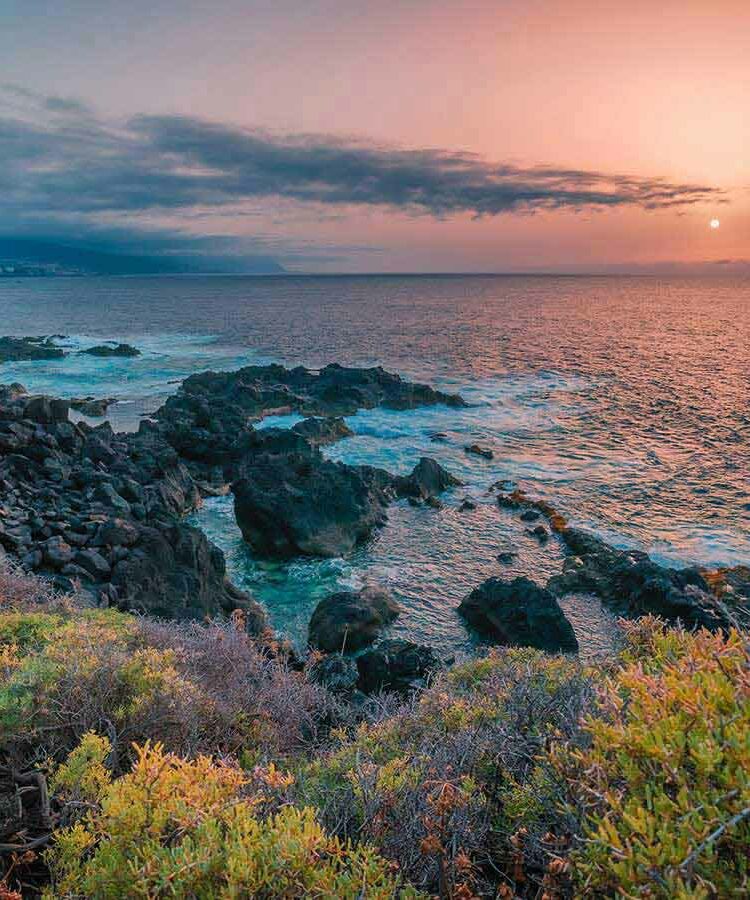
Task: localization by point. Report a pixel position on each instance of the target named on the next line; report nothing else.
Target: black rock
(111, 349)
(90, 406)
(336, 672)
(632, 584)
(427, 480)
(321, 431)
(396, 666)
(506, 557)
(300, 504)
(16, 349)
(476, 450)
(539, 532)
(348, 620)
(519, 613)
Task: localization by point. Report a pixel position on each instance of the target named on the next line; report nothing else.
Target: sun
(714, 223)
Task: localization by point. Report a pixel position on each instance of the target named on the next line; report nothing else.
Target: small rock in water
(476, 450)
(438, 437)
(467, 505)
(111, 349)
(539, 532)
(506, 557)
(519, 613)
(530, 515)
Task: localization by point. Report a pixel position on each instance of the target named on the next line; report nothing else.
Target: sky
(388, 136)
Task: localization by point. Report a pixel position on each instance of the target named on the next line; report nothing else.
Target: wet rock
(631, 583)
(539, 532)
(396, 666)
(300, 504)
(530, 515)
(111, 349)
(46, 410)
(427, 480)
(467, 505)
(477, 450)
(336, 672)
(321, 431)
(348, 620)
(175, 572)
(506, 557)
(519, 613)
(14, 349)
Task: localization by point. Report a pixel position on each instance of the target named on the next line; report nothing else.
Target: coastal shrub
(663, 788)
(181, 828)
(437, 785)
(197, 688)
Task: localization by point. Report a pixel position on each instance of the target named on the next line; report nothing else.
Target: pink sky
(637, 88)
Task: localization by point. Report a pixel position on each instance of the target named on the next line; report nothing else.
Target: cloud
(83, 163)
(61, 163)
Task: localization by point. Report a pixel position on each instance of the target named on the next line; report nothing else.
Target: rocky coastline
(103, 514)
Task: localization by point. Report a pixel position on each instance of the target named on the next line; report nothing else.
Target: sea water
(623, 401)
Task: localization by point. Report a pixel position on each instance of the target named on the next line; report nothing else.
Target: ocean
(625, 401)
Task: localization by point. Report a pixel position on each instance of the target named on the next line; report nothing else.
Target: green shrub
(663, 790)
(187, 829)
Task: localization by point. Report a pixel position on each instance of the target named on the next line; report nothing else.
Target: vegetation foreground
(141, 758)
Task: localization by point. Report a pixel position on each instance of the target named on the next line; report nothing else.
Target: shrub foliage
(166, 760)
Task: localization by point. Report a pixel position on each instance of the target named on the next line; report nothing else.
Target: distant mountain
(27, 256)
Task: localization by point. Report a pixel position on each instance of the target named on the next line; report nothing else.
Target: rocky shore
(104, 513)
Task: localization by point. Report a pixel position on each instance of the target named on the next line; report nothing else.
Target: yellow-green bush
(177, 828)
(663, 790)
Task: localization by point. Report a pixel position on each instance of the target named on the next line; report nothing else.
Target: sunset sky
(397, 135)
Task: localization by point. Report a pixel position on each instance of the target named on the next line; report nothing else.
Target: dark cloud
(83, 164)
(60, 163)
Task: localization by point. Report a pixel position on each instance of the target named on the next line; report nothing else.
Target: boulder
(519, 613)
(46, 410)
(428, 479)
(175, 572)
(16, 349)
(349, 620)
(94, 563)
(57, 553)
(396, 666)
(90, 406)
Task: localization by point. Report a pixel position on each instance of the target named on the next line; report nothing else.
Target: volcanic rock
(348, 620)
(519, 613)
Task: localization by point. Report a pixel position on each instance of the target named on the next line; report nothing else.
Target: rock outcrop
(13, 349)
(519, 613)
(349, 620)
(631, 583)
(85, 506)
